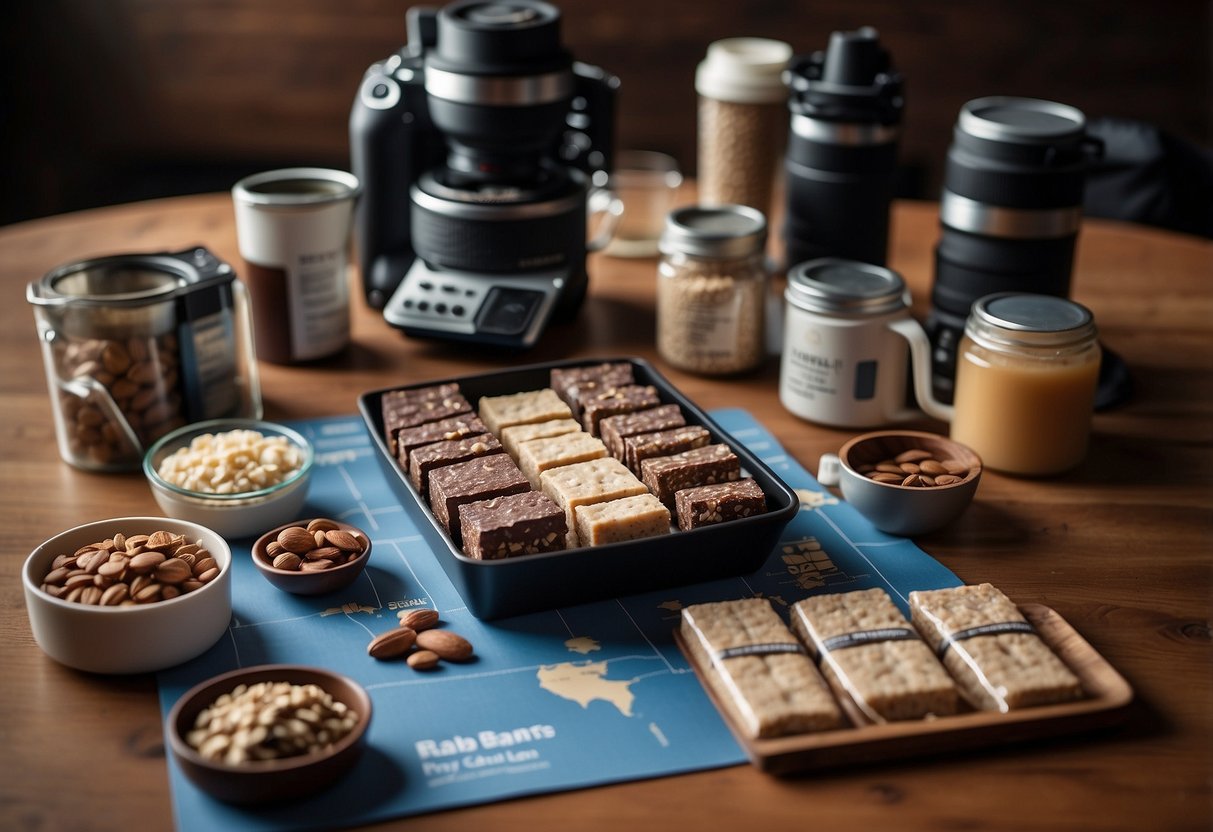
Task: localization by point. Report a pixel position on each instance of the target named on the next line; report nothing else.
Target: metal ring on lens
(969, 215)
(493, 211)
(832, 132)
(1069, 120)
(498, 90)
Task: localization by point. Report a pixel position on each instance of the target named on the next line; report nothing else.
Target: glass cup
(647, 182)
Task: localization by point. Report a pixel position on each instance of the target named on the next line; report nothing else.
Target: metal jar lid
(724, 231)
(1015, 319)
(836, 286)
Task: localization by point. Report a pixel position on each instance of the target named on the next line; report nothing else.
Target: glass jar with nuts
(711, 289)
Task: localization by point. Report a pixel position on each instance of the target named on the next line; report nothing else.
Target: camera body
(478, 145)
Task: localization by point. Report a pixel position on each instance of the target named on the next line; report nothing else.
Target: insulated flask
(846, 105)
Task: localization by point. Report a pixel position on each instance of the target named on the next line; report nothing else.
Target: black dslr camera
(478, 146)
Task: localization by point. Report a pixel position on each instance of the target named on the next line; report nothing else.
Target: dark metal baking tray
(528, 583)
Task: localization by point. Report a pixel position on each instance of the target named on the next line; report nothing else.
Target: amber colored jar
(1026, 374)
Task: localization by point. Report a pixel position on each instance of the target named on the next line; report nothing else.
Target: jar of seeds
(743, 120)
(711, 289)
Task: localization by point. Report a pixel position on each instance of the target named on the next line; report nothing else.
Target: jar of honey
(1027, 370)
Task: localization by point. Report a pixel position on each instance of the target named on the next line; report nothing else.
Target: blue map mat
(574, 697)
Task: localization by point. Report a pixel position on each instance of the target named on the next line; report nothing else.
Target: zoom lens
(501, 230)
(499, 85)
(1009, 214)
(846, 106)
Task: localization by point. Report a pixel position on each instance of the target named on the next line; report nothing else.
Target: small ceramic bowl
(128, 639)
(267, 781)
(232, 515)
(902, 509)
(309, 583)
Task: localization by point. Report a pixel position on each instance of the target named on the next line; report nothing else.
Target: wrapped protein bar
(870, 653)
(991, 650)
(758, 669)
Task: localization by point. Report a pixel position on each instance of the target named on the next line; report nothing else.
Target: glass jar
(1027, 371)
(136, 345)
(711, 289)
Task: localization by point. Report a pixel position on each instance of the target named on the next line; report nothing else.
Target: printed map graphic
(567, 698)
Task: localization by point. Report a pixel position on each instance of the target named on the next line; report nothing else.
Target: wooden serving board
(1106, 703)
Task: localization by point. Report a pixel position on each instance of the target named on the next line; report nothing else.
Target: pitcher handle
(607, 202)
(920, 360)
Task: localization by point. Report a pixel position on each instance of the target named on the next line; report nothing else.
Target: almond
(288, 561)
(423, 660)
(418, 619)
(450, 646)
(297, 540)
(173, 571)
(391, 644)
(343, 540)
(160, 540)
(144, 562)
(321, 524)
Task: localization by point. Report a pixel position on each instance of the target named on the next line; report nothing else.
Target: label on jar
(710, 323)
(208, 366)
(319, 305)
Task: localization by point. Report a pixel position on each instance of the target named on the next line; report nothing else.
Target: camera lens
(499, 85)
(846, 105)
(498, 229)
(1009, 214)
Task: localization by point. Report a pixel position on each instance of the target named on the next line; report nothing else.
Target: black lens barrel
(846, 104)
(1010, 212)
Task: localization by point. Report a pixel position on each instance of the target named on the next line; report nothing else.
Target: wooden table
(1122, 548)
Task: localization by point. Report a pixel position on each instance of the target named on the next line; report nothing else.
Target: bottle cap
(720, 231)
(744, 71)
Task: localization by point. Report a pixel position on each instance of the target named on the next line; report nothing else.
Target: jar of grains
(711, 289)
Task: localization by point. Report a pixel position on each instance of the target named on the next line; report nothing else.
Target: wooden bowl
(267, 781)
(309, 583)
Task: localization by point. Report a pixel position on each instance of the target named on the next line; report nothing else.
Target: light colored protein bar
(514, 436)
(758, 669)
(500, 412)
(630, 518)
(869, 652)
(538, 455)
(586, 483)
(990, 649)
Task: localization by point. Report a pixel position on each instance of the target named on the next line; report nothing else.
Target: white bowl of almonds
(236, 476)
(129, 595)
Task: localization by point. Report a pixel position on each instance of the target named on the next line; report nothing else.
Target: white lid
(744, 70)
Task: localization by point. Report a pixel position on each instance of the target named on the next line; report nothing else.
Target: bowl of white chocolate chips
(236, 476)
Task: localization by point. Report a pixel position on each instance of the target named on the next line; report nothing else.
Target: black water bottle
(846, 105)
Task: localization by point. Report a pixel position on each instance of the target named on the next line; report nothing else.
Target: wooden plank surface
(1122, 548)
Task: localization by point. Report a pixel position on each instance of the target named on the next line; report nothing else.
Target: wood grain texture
(1121, 548)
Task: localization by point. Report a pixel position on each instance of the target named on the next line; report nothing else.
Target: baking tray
(1107, 701)
(528, 583)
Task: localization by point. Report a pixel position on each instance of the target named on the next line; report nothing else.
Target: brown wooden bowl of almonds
(908, 482)
(312, 557)
(310, 729)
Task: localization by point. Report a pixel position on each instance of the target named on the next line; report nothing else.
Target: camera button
(423, 306)
(458, 311)
(440, 308)
(427, 285)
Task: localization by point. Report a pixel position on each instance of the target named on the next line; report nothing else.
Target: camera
(479, 145)
(1009, 215)
(846, 104)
